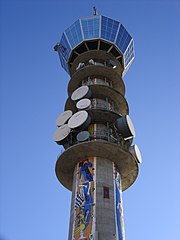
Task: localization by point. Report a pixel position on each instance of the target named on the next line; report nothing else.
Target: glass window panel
(64, 48)
(63, 63)
(116, 23)
(110, 21)
(107, 35)
(114, 30)
(74, 34)
(90, 24)
(113, 37)
(109, 29)
(123, 38)
(109, 25)
(104, 18)
(126, 43)
(128, 57)
(129, 38)
(96, 33)
(96, 22)
(91, 30)
(123, 48)
(103, 28)
(103, 33)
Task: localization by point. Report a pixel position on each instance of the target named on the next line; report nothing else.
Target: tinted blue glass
(127, 60)
(129, 54)
(63, 62)
(123, 39)
(64, 47)
(74, 34)
(125, 43)
(109, 28)
(90, 27)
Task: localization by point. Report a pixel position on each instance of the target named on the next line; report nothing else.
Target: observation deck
(95, 33)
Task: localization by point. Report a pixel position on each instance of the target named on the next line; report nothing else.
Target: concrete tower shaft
(99, 161)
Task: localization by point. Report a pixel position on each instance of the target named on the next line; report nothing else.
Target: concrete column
(105, 214)
(96, 207)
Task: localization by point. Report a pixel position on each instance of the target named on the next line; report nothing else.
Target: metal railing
(91, 62)
(97, 136)
(96, 81)
(95, 104)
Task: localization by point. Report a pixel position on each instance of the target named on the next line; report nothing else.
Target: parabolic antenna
(61, 134)
(63, 117)
(79, 119)
(83, 104)
(125, 127)
(83, 136)
(134, 150)
(80, 93)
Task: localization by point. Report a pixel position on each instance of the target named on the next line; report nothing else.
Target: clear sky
(33, 90)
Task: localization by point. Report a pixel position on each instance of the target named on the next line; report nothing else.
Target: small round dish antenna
(63, 117)
(134, 150)
(125, 127)
(83, 136)
(83, 104)
(81, 92)
(61, 134)
(79, 119)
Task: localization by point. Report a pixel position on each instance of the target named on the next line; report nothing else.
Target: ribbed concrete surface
(95, 71)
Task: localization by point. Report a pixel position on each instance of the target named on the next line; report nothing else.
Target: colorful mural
(84, 208)
(120, 231)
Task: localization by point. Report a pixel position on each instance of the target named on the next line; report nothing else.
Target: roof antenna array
(94, 11)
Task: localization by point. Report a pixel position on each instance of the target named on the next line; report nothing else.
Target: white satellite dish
(63, 117)
(79, 119)
(80, 93)
(134, 150)
(125, 127)
(130, 125)
(61, 134)
(83, 104)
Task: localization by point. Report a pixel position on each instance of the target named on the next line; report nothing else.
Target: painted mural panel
(84, 208)
(120, 231)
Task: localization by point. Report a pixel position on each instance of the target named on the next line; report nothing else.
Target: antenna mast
(94, 11)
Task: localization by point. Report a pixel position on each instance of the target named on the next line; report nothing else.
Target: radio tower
(99, 160)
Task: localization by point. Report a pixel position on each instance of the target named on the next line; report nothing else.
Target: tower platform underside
(68, 160)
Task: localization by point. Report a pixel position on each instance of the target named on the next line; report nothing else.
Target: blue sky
(33, 90)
